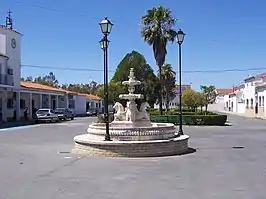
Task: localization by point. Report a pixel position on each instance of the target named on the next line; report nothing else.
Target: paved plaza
(230, 163)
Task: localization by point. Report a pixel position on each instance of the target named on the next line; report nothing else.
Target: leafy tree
(157, 30)
(27, 79)
(168, 84)
(114, 90)
(64, 86)
(189, 99)
(193, 99)
(49, 80)
(209, 95)
(143, 72)
(93, 87)
(89, 88)
(200, 100)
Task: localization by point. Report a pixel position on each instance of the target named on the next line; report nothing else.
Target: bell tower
(9, 20)
(10, 46)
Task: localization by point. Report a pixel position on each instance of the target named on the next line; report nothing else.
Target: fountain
(132, 133)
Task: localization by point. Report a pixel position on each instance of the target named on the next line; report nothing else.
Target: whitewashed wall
(241, 107)
(14, 54)
(80, 105)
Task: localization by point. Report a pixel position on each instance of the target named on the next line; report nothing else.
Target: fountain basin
(132, 131)
(149, 148)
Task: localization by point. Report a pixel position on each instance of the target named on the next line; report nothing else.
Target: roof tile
(37, 86)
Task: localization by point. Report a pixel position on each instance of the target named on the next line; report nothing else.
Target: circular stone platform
(148, 148)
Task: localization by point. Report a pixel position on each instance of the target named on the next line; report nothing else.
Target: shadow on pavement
(189, 151)
(16, 124)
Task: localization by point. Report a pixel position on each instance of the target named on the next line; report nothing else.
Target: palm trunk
(161, 91)
(167, 103)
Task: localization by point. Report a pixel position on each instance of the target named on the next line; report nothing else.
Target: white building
(220, 94)
(249, 97)
(15, 96)
(175, 102)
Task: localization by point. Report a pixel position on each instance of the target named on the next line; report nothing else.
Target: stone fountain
(132, 133)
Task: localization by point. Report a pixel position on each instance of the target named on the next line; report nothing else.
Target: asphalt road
(35, 163)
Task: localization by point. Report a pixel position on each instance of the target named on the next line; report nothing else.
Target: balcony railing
(6, 80)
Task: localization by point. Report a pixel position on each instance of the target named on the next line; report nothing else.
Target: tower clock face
(13, 43)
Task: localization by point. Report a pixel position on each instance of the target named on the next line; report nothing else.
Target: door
(54, 105)
(33, 106)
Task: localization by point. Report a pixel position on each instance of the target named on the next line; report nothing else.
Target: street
(230, 162)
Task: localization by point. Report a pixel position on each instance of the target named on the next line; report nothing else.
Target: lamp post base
(180, 131)
(107, 138)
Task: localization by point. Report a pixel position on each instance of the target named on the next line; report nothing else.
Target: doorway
(33, 109)
(54, 104)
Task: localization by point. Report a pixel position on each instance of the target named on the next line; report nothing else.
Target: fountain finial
(131, 74)
(131, 113)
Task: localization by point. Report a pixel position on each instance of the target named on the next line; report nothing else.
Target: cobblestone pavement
(35, 163)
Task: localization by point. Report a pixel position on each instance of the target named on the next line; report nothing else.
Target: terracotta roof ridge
(37, 85)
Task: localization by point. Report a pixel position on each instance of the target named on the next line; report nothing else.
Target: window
(259, 100)
(22, 104)
(10, 71)
(251, 103)
(247, 104)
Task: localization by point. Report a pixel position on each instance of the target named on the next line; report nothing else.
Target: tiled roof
(261, 75)
(258, 76)
(37, 86)
(90, 96)
(224, 91)
(260, 85)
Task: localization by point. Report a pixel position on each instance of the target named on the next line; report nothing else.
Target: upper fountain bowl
(131, 82)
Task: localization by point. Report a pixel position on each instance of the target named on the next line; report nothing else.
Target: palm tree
(157, 30)
(168, 84)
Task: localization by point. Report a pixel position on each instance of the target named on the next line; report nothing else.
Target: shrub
(100, 118)
(218, 120)
(176, 112)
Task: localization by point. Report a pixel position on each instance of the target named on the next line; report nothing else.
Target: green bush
(169, 110)
(100, 118)
(176, 112)
(218, 120)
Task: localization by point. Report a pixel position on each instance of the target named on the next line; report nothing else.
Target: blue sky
(228, 34)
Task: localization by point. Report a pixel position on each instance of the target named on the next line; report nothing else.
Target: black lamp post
(106, 27)
(180, 39)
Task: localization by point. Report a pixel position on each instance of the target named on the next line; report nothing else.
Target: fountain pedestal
(132, 133)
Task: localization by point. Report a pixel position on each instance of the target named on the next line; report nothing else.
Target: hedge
(189, 118)
(184, 112)
(218, 120)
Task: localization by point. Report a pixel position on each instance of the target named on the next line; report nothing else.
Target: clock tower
(10, 47)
